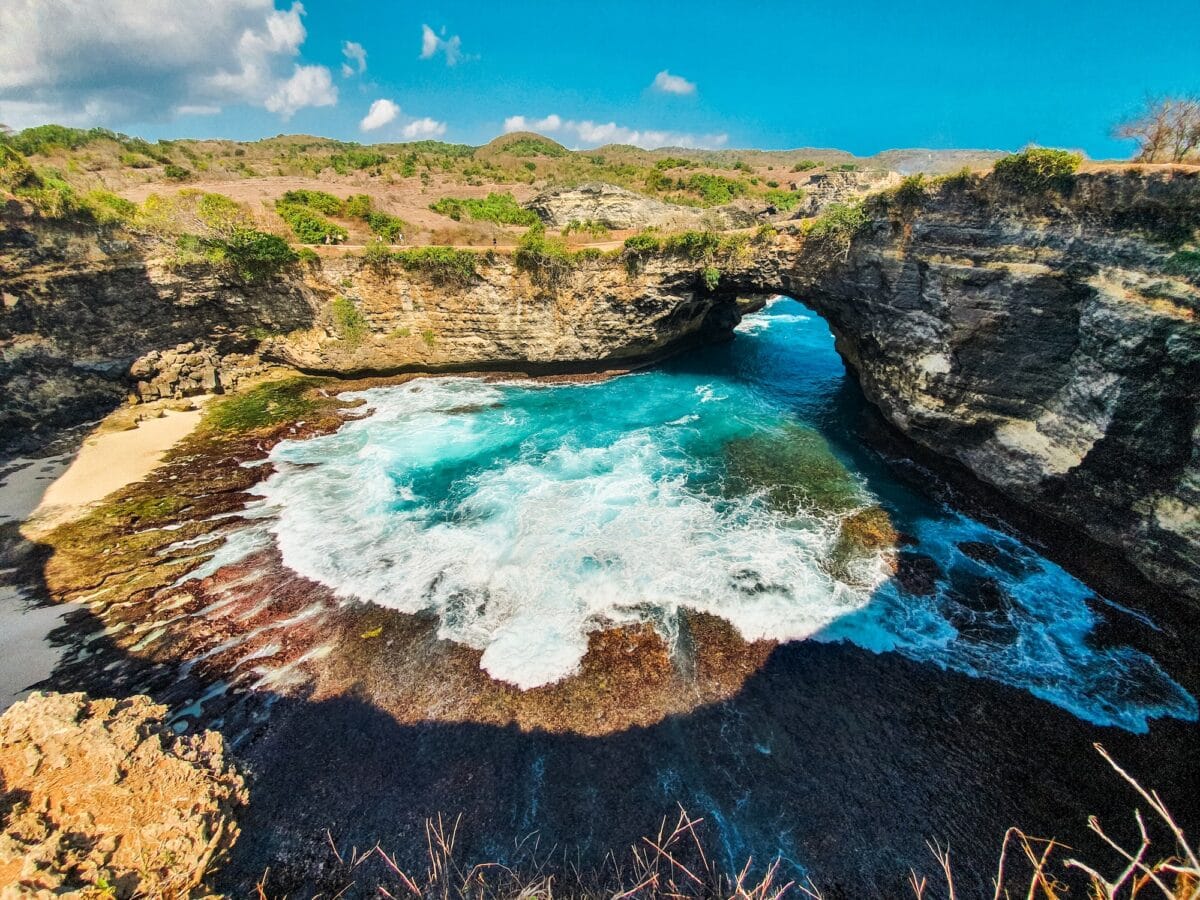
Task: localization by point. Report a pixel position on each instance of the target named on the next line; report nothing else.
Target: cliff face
(78, 308)
(1037, 339)
(1040, 342)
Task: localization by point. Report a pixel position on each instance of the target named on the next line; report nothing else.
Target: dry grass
(1174, 877)
(675, 864)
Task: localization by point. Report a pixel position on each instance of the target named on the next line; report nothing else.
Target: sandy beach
(109, 459)
(39, 494)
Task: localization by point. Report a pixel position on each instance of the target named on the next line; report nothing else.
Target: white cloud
(198, 110)
(424, 128)
(667, 83)
(308, 86)
(380, 113)
(432, 44)
(520, 123)
(590, 134)
(354, 53)
(142, 60)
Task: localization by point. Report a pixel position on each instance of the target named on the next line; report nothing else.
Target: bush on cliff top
(1038, 169)
(501, 209)
(444, 265)
(309, 226)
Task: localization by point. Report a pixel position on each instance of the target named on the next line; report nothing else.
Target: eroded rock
(100, 797)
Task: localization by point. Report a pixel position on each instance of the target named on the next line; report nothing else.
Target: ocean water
(528, 515)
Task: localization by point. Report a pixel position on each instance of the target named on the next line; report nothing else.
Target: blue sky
(864, 77)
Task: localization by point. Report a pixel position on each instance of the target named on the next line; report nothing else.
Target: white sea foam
(536, 553)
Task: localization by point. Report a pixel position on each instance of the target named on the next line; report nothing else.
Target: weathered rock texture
(619, 208)
(100, 798)
(824, 188)
(80, 307)
(1037, 339)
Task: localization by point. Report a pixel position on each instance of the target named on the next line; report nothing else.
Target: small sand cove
(113, 456)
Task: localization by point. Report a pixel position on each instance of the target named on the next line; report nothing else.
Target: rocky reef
(1037, 337)
(101, 798)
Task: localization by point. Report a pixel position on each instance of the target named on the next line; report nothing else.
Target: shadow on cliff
(84, 318)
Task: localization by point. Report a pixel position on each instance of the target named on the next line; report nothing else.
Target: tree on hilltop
(1167, 129)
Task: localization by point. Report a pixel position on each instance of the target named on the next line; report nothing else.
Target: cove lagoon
(945, 683)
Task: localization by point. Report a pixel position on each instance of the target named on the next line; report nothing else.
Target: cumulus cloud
(354, 53)
(380, 113)
(520, 123)
(667, 83)
(432, 44)
(424, 128)
(144, 60)
(308, 86)
(590, 134)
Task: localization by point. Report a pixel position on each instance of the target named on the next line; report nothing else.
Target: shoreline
(111, 457)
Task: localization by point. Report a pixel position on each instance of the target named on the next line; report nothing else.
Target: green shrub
(546, 258)
(804, 165)
(501, 209)
(356, 160)
(15, 171)
(716, 190)
(309, 226)
(318, 200)
(387, 226)
(592, 228)
(674, 162)
(349, 321)
(308, 256)
(176, 172)
(222, 214)
(1038, 170)
(785, 200)
(50, 194)
(911, 192)
(106, 208)
(963, 178)
(444, 265)
(356, 206)
(377, 255)
(643, 242)
(533, 146)
(693, 245)
(255, 255)
(839, 220)
(711, 276)
(765, 234)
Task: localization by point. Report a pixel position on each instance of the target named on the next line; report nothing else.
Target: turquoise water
(527, 516)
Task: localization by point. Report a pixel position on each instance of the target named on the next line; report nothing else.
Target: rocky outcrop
(101, 798)
(80, 307)
(1041, 341)
(824, 188)
(617, 208)
(188, 370)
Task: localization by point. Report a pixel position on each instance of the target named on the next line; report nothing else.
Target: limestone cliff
(1041, 341)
